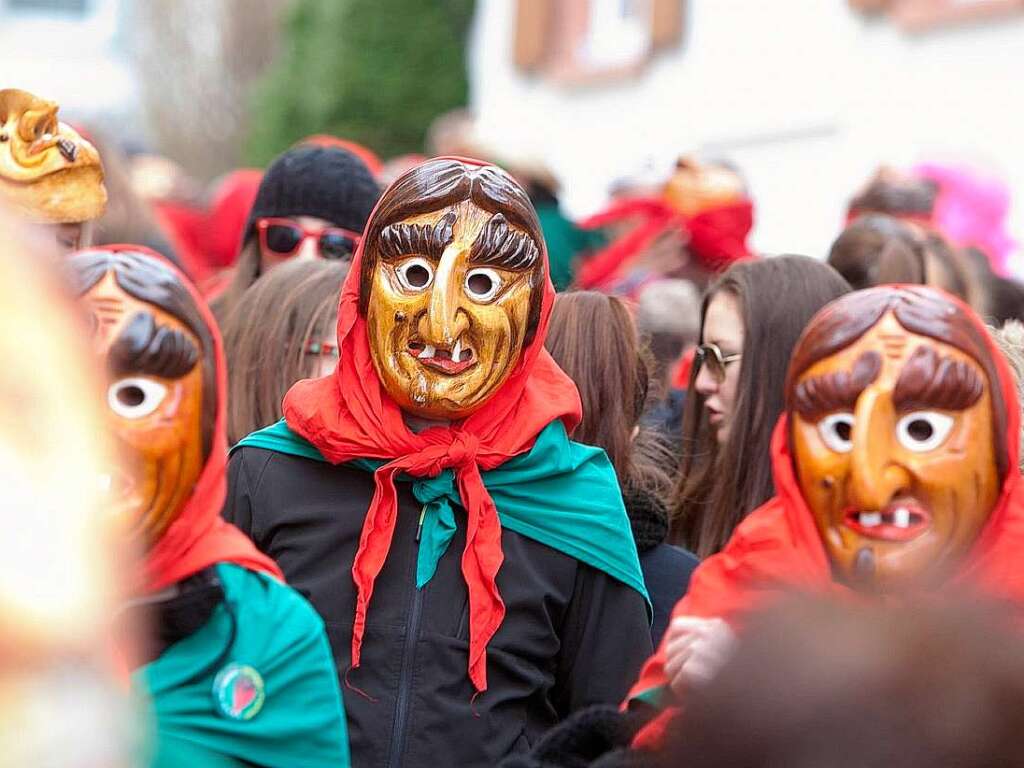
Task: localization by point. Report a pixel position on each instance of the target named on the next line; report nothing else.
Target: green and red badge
(238, 692)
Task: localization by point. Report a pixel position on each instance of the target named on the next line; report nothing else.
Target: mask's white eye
(482, 284)
(837, 431)
(135, 398)
(415, 274)
(922, 431)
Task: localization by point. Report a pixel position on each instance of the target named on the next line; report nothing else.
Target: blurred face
(895, 454)
(154, 402)
(446, 328)
(717, 384)
(695, 187)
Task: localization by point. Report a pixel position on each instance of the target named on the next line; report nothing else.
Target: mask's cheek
(390, 320)
(822, 473)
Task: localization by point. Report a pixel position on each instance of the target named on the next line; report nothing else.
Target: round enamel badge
(238, 692)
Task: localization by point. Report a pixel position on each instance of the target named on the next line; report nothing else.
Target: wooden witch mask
(48, 172)
(451, 283)
(161, 394)
(896, 413)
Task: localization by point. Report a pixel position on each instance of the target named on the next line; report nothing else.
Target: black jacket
(572, 636)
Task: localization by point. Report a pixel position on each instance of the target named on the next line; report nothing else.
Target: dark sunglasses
(282, 237)
(711, 356)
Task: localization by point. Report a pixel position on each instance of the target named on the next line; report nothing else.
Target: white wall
(806, 96)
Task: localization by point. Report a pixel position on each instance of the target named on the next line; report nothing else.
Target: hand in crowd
(695, 649)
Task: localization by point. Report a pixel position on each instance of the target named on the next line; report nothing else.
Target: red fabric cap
(199, 537)
(367, 155)
(348, 415)
(778, 548)
(227, 217)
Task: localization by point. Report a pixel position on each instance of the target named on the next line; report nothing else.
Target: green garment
(257, 683)
(565, 242)
(563, 494)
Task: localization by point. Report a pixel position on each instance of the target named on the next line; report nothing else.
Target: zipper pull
(419, 526)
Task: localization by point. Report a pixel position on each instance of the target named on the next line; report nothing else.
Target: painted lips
(448, 360)
(900, 521)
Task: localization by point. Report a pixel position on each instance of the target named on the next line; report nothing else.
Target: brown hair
(593, 339)
(719, 485)
(440, 183)
(878, 249)
(843, 684)
(266, 338)
(919, 309)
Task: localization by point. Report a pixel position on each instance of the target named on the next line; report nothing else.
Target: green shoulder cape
(561, 493)
(257, 683)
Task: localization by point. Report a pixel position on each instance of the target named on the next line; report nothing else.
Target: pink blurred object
(971, 210)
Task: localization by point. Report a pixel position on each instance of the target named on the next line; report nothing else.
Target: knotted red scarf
(348, 415)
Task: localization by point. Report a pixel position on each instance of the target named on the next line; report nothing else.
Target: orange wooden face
(157, 419)
(446, 332)
(897, 462)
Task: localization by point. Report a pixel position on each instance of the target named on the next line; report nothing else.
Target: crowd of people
(393, 464)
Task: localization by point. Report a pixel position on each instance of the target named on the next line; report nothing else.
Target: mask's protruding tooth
(901, 517)
(428, 351)
(457, 351)
(870, 519)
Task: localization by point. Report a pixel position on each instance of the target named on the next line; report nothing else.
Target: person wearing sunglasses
(751, 318)
(313, 203)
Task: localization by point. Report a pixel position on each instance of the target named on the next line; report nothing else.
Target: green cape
(283, 710)
(563, 494)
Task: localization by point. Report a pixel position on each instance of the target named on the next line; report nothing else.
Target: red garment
(348, 415)
(778, 549)
(683, 367)
(225, 222)
(716, 237)
(183, 225)
(199, 537)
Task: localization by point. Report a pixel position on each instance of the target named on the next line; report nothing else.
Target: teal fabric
(268, 626)
(561, 493)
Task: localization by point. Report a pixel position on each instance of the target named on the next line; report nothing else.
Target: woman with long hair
(282, 330)
(593, 339)
(751, 318)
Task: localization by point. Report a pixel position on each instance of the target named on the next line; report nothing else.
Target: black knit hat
(329, 183)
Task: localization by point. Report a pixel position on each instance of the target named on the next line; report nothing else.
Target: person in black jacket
(474, 567)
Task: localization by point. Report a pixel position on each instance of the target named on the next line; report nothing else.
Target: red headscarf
(348, 415)
(199, 537)
(778, 547)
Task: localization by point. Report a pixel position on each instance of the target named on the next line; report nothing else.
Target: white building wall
(805, 96)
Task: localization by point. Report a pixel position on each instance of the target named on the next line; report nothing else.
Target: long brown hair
(719, 485)
(593, 339)
(267, 335)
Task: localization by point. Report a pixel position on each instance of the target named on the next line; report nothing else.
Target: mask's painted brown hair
(440, 183)
(917, 308)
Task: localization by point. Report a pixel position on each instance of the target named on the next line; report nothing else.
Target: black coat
(572, 635)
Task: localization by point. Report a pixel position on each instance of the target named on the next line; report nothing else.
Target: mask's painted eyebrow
(498, 245)
(424, 239)
(930, 380)
(143, 347)
(837, 391)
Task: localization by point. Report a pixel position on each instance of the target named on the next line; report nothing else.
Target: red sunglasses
(283, 237)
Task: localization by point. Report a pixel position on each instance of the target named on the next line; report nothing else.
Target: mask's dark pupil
(480, 284)
(131, 396)
(417, 275)
(920, 430)
(844, 431)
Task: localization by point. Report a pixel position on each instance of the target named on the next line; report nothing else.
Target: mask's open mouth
(899, 521)
(451, 360)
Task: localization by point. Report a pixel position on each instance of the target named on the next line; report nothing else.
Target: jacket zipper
(398, 734)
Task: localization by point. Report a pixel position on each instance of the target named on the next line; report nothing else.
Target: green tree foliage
(373, 71)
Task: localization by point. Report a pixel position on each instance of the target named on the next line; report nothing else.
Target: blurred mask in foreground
(49, 174)
(895, 436)
(451, 286)
(158, 354)
(59, 703)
